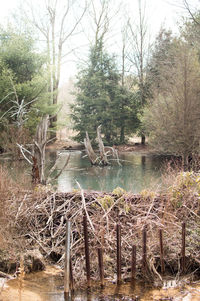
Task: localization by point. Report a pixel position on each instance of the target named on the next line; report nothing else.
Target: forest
(150, 89)
(129, 83)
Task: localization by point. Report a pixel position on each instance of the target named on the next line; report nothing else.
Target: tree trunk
(185, 162)
(104, 159)
(90, 152)
(122, 135)
(108, 138)
(143, 139)
(39, 147)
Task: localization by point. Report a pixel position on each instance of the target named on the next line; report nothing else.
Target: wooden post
(71, 276)
(133, 263)
(87, 258)
(183, 249)
(101, 271)
(144, 248)
(67, 260)
(119, 277)
(161, 252)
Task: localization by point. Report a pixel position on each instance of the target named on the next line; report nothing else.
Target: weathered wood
(35, 171)
(103, 156)
(101, 270)
(7, 276)
(161, 252)
(119, 259)
(133, 263)
(37, 156)
(40, 146)
(90, 152)
(144, 249)
(102, 159)
(87, 255)
(71, 276)
(183, 249)
(67, 259)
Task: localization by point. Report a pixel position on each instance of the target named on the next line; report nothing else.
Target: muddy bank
(10, 266)
(130, 147)
(48, 286)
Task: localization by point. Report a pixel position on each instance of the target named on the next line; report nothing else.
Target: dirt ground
(133, 145)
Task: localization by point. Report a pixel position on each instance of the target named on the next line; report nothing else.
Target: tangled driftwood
(101, 158)
(40, 219)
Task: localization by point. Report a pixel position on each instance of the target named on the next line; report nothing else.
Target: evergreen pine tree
(100, 99)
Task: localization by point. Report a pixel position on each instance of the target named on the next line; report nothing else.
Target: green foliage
(106, 202)
(148, 194)
(23, 83)
(102, 100)
(118, 191)
(18, 54)
(118, 195)
(162, 55)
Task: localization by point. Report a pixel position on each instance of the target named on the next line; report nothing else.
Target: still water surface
(138, 171)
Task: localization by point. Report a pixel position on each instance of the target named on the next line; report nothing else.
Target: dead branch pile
(40, 219)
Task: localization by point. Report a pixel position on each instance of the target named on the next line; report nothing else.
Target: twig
(22, 152)
(84, 206)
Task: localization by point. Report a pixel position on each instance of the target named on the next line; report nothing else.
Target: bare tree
(37, 158)
(101, 21)
(139, 52)
(57, 23)
(173, 118)
(189, 9)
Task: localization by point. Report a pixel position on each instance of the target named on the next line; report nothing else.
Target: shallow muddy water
(48, 286)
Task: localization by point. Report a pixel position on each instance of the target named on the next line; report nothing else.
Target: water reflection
(136, 173)
(48, 286)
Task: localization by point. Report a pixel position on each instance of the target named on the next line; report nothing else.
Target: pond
(138, 171)
(48, 286)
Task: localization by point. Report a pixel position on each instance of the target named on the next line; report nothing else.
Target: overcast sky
(158, 12)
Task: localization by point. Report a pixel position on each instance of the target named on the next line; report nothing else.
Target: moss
(118, 191)
(147, 194)
(106, 202)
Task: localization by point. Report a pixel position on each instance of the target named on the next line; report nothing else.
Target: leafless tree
(57, 22)
(101, 21)
(173, 117)
(189, 9)
(37, 157)
(139, 47)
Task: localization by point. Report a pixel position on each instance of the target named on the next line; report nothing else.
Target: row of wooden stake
(68, 278)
